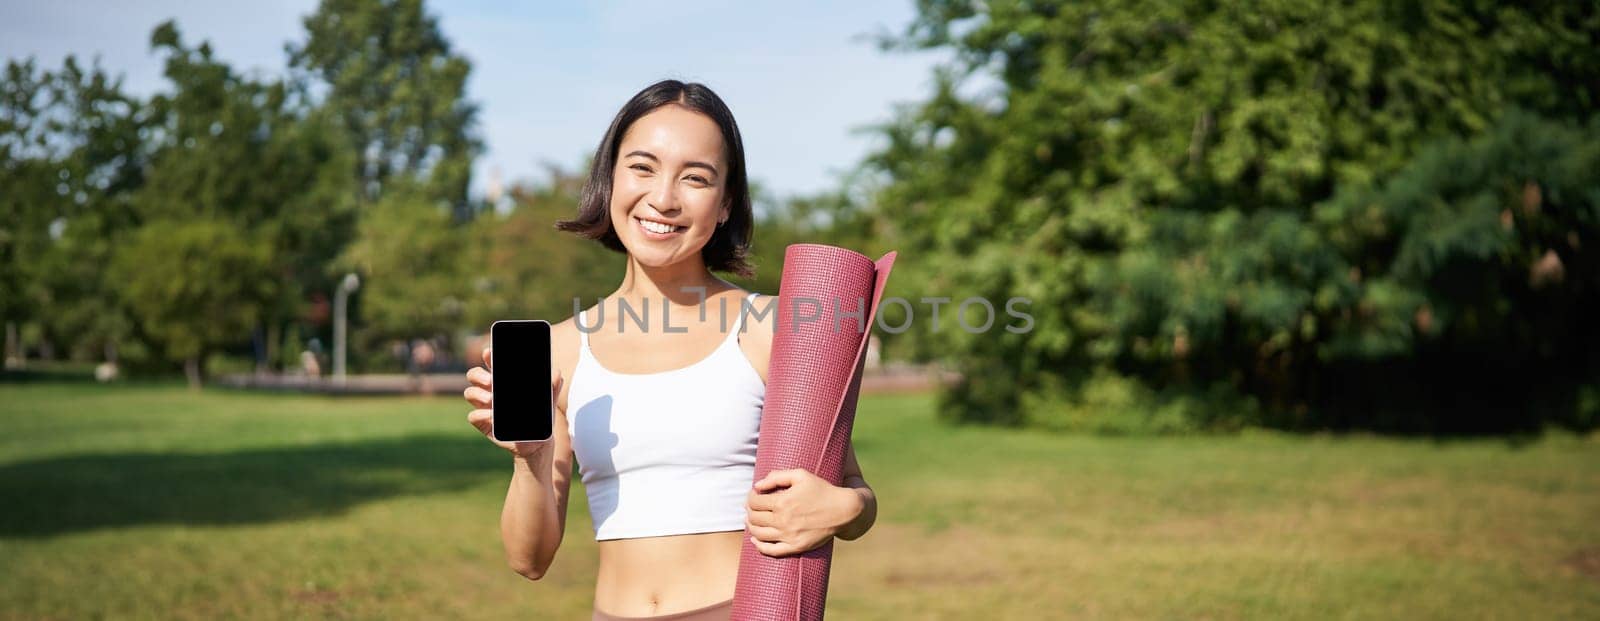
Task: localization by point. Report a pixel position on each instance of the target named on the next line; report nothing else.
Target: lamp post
(347, 286)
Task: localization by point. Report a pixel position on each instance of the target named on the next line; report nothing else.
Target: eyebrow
(653, 158)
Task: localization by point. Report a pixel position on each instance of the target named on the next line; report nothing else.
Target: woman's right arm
(535, 513)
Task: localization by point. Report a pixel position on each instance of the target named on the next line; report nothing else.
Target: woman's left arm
(869, 500)
(792, 511)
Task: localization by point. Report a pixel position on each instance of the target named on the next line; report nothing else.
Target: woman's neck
(685, 283)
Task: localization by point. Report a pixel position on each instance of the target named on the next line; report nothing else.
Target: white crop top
(667, 453)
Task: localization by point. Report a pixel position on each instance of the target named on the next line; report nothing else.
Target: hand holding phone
(517, 415)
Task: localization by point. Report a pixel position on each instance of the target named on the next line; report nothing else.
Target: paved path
(898, 379)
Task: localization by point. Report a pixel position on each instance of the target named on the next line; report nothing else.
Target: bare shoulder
(564, 344)
(762, 316)
(564, 339)
(756, 334)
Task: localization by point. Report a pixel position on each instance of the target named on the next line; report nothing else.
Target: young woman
(664, 420)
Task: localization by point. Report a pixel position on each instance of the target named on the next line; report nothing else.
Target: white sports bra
(667, 453)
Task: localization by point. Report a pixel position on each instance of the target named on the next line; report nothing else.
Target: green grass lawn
(155, 502)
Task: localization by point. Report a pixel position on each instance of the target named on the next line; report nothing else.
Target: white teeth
(657, 227)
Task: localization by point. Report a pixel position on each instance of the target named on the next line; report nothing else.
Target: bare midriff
(661, 575)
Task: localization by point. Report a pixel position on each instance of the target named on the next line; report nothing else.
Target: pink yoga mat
(813, 381)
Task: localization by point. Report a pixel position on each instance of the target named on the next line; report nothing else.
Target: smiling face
(667, 191)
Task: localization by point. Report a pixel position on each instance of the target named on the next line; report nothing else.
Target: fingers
(555, 381)
(768, 534)
(479, 393)
(488, 357)
(478, 397)
(481, 377)
(755, 501)
(483, 420)
(776, 479)
(773, 549)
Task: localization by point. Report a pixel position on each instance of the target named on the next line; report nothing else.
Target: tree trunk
(13, 347)
(191, 369)
(274, 336)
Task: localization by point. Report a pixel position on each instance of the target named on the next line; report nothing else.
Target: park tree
(372, 113)
(1473, 265)
(389, 76)
(30, 202)
(1149, 175)
(74, 151)
(194, 284)
(249, 152)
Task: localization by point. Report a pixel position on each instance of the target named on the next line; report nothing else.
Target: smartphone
(523, 407)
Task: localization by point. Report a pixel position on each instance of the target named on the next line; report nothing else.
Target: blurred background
(1313, 292)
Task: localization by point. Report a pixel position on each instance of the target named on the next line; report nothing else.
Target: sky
(802, 79)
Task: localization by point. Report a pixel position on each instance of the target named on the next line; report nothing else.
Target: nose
(664, 196)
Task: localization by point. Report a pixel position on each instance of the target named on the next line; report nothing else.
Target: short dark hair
(730, 243)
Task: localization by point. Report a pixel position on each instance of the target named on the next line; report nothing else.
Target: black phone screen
(521, 404)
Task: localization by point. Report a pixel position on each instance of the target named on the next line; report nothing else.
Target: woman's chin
(646, 255)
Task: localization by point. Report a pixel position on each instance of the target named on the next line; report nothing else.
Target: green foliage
(1489, 230)
(247, 152)
(374, 113)
(1297, 214)
(520, 266)
(1109, 403)
(1150, 175)
(398, 89)
(193, 284)
(72, 146)
(833, 217)
(408, 251)
(1483, 269)
(383, 73)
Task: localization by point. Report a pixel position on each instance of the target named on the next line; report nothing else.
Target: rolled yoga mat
(827, 303)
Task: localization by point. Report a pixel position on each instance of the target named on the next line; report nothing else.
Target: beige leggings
(721, 611)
